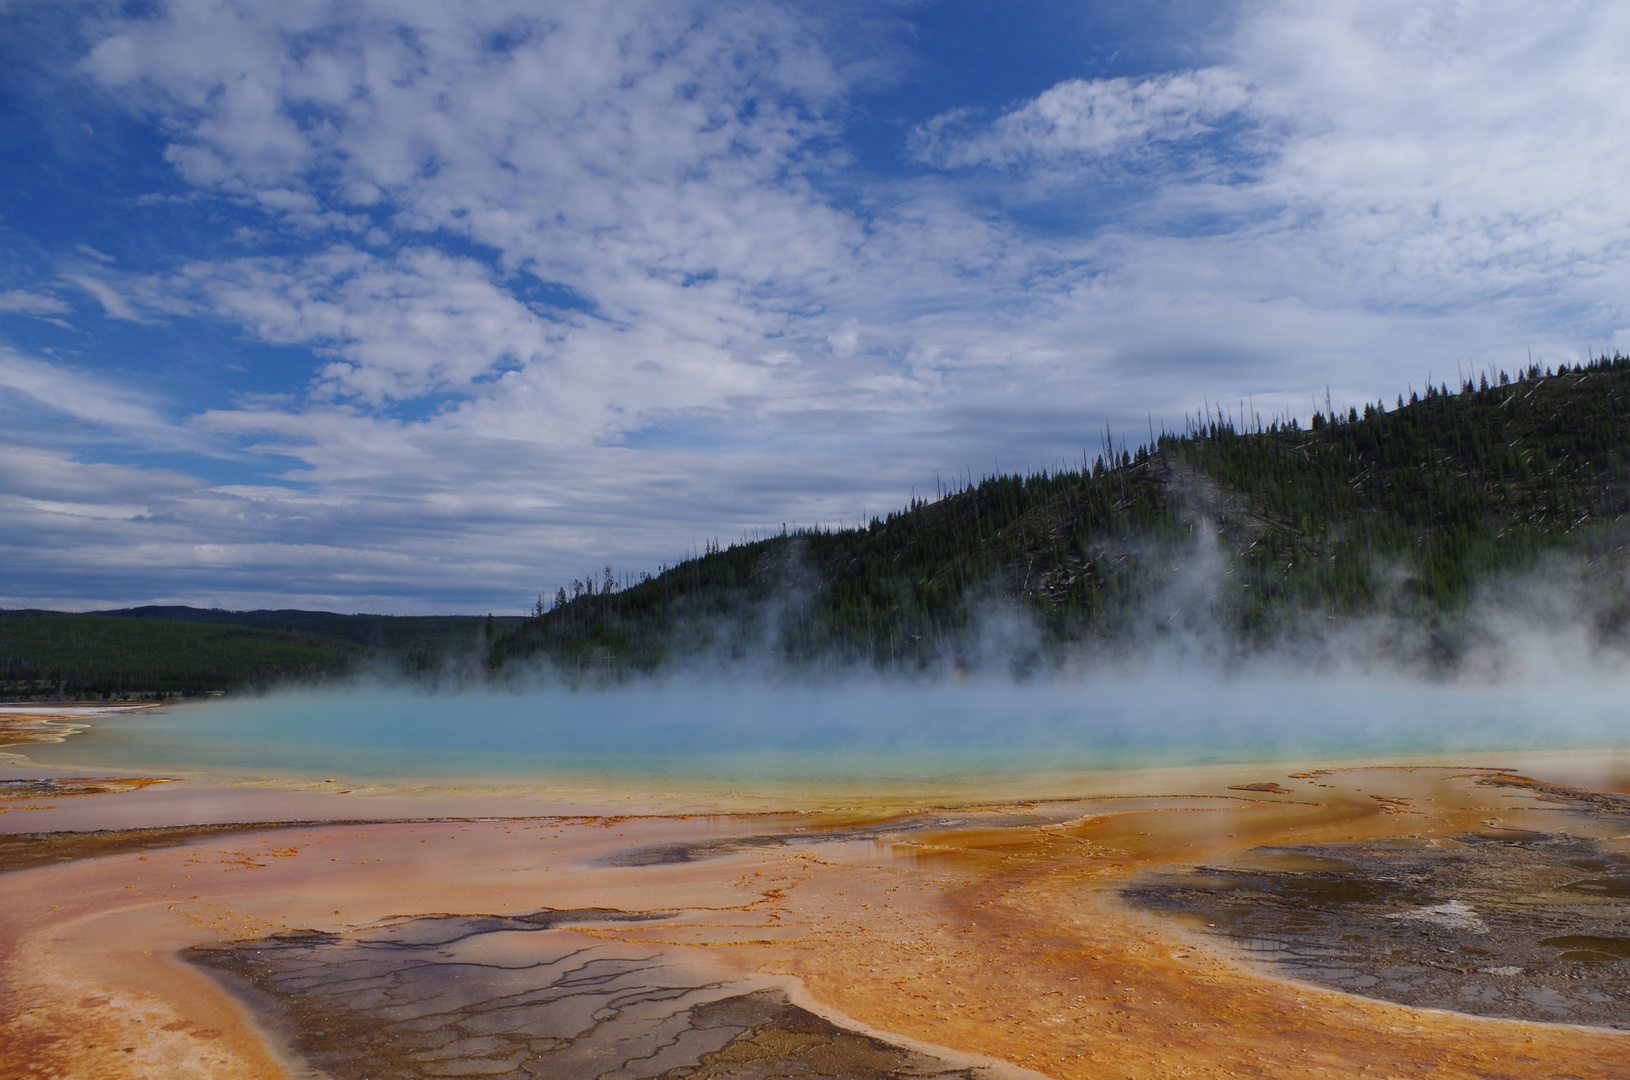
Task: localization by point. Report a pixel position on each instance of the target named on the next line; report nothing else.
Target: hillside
(1399, 510)
(156, 651)
(49, 654)
(418, 639)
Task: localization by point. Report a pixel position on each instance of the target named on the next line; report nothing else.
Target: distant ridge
(392, 632)
(193, 614)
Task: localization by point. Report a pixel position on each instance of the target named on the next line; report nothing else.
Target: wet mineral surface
(1498, 922)
(518, 997)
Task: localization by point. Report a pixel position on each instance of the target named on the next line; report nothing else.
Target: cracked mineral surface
(517, 997)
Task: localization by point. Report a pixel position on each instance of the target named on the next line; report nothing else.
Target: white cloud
(471, 523)
(92, 400)
(599, 267)
(1421, 171)
(399, 327)
(116, 306)
(643, 157)
(27, 303)
(1454, 141)
(1086, 118)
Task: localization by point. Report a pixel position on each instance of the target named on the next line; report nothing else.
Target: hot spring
(877, 732)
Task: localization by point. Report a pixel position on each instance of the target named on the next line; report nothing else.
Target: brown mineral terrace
(580, 933)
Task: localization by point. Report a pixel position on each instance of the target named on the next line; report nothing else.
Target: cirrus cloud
(1085, 119)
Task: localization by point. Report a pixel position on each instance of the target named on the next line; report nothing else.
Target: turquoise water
(869, 731)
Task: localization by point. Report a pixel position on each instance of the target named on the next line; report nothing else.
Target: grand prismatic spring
(1076, 881)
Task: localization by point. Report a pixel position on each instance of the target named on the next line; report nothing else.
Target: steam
(866, 729)
(1565, 618)
(1534, 662)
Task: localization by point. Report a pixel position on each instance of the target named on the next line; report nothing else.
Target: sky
(413, 307)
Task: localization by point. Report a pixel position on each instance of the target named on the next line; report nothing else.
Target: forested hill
(1397, 509)
(184, 651)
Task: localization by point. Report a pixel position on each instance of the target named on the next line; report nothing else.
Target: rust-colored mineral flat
(954, 939)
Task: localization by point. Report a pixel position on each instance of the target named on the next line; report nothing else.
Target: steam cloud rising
(1537, 661)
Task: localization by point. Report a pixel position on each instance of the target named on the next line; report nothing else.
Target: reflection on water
(854, 731)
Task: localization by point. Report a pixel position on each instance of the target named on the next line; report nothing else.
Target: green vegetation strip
(95, 655)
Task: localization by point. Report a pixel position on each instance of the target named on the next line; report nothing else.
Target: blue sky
(412, 306)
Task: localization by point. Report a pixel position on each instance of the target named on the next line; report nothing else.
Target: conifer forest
(1248, 528)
